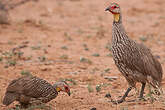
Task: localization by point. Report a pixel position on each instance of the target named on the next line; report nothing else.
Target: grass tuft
(143, 38)
(26, 72)
(64, 47)
(64, 56)
(42, 58)
(85, 60)
(96, 55)
(98, 88)
(108, 46)
(90, 89)
(70, 80)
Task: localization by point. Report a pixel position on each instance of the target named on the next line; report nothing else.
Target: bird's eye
(114, 7)
(66, 87)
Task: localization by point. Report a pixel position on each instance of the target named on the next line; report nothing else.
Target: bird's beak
(107, 9)
(69, 93)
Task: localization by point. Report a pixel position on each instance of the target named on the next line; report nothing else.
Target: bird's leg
(24, 105)
(24, 101)
(124, 96)
(142, 90)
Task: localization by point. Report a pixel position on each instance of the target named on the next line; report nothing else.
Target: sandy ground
(69, 39)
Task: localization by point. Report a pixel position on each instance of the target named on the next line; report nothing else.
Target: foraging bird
(134, 60)
(28, 88)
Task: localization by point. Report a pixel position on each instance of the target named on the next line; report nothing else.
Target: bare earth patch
(70, 39)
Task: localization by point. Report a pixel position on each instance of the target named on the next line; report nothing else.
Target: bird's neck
(116, 17)
(118, 32)
(56, 87)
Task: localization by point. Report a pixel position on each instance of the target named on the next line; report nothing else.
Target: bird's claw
(117, 101)
(141, 99)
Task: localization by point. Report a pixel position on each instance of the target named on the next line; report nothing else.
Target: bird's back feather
(29, 87)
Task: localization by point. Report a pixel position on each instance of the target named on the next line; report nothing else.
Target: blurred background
(71, 40)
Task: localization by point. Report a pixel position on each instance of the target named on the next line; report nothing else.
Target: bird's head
(114, 8)
(62, 86)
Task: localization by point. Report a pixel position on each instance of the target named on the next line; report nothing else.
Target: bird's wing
(16, 85)
(9, 98)
(144, 62)
(37, 88)
(33, 87)
(13, 90)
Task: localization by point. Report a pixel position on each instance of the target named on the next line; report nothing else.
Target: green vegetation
(90, 89)
(85, 60)
(26, 72)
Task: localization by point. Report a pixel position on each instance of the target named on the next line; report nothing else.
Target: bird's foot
(141, 99)
(117, 101)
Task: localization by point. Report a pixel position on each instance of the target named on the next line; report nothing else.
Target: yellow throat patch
(116, 17)
(58, 89)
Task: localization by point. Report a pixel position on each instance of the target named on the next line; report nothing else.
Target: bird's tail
(9, 98)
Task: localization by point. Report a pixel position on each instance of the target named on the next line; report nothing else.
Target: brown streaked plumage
(134, 60)
(28, 88)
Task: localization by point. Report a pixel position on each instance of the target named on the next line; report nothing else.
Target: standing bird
(134, 61)
(28, 88)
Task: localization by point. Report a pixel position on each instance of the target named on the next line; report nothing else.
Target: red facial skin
(67, 90)
(112, 12)
(112, 8)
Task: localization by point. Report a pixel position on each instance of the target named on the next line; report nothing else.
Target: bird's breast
(121, 52)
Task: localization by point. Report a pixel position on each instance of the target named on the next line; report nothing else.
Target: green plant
(143, 38)
(36, 47)
(98, 88)
(90, 89)
(42, 58)
(25, 72)
(64, 56)
(107, 70)
(11, 62)
(71, 80)
(96, 54)
(20, 54)
(85, 60)
(64, 47)
(109, 55)
(108, 46)
(85, 47)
